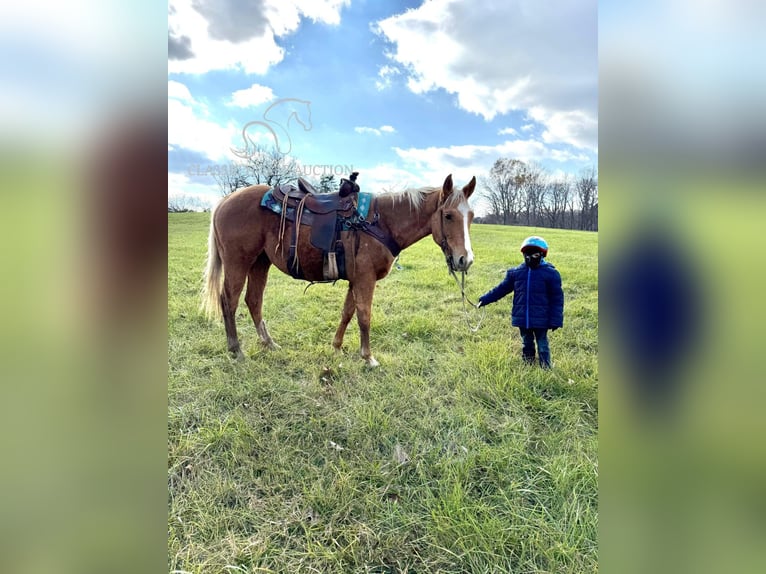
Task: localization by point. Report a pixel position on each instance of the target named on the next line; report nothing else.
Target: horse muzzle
(461, 263)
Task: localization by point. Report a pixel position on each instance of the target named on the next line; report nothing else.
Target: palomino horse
(245, 241)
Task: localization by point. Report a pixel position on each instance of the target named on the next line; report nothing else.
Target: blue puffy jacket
(538, 299)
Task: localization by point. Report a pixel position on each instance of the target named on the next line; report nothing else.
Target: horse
(245, 240)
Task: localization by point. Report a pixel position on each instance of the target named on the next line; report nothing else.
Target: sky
(403, 92)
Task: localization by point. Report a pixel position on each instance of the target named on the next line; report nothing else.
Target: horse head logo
(275, 126)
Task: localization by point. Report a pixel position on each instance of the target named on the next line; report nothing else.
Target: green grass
(451, 457)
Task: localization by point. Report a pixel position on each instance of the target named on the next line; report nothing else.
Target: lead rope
(461, 284)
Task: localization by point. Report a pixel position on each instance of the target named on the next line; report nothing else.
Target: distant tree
(586, 189)
(174, 206)
(267, 165)
(532, 184)
(503, 187)
(186, 203)
(556, 200)
(327, 184)
(571, 218)
(232, 176)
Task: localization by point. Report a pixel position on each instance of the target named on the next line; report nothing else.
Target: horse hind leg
(349, 308)
(256, 284)
(233, 283)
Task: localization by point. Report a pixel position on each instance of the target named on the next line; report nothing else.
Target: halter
(445, 247)
(460, 283)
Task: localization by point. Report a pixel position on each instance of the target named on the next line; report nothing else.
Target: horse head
(451, 222)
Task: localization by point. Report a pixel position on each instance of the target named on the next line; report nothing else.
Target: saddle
(317, 203)
(325, 215)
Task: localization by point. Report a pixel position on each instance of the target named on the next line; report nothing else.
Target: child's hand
(477, 305)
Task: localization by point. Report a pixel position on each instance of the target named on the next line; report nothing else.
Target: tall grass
(452, 456)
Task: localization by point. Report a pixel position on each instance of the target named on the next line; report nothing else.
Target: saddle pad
(268, 202)
(363, 206)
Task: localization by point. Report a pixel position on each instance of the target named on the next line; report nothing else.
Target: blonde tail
(213, 278)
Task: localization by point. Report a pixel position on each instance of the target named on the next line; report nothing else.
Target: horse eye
(448, 216)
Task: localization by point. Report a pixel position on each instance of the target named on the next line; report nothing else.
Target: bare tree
(231, 176)
(525, 194)
(587, 193)
(327, 183)
(572, 218)
(503, 189)
(554, 204)
(269, 166)
(186, 203)
(533, 193)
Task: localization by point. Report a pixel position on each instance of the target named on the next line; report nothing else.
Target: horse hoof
(372, 363)
(239, 356)
(271, 345)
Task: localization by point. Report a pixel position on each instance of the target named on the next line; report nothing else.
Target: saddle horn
(349, 186)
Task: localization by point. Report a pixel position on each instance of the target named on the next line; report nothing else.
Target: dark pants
(528, 337)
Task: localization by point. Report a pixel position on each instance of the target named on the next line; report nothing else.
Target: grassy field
(450, 457)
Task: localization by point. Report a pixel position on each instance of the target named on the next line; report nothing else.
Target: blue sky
(403, 92)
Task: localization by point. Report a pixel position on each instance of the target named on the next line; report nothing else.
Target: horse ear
(446, 188)
(468, 189)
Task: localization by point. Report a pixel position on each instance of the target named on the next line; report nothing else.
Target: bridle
(460, 282)
(445, 246)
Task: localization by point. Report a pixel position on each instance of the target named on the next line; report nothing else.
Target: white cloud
(374, 131)
(189, 129)
(506, 56)
(388, 177)
(209, 35)
(179, 91)
(575, 126)
(385, 77)
(366, 130)
(325, 11)
(252, 96)
(507, 132)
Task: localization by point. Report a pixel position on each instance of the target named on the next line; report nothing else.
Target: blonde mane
(413, 196)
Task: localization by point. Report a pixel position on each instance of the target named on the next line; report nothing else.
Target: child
(538, 299)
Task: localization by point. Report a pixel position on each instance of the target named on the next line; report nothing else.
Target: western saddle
(325, 214)
(314, 201)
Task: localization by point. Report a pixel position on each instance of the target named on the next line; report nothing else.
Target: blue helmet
(535, 243)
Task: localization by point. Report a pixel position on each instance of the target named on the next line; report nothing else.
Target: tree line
(520, 193)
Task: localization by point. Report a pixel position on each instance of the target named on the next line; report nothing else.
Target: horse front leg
(349, 308)
(363, 298)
